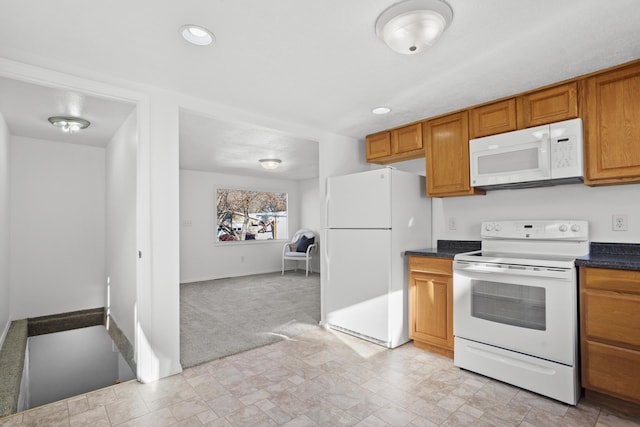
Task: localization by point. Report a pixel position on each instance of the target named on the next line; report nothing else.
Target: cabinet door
(431, 302)
(447, 152)
(491, 119)
(547, 106)
(407, 140)
(611, 370)
(378, 146)
(612, 127)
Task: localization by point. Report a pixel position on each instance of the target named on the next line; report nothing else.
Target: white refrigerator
(372, 218)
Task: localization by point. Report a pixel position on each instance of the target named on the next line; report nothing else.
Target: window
(251, 215)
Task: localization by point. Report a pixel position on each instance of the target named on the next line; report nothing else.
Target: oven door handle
(515, 270)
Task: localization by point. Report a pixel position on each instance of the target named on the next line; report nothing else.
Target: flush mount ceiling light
(381, 110)
(197, 35)
(270, 163)
(69, 124)
(411, 26)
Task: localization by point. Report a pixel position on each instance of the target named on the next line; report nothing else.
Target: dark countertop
(446, 249)
(621, 256)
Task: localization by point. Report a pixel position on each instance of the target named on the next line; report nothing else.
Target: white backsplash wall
(575, 201)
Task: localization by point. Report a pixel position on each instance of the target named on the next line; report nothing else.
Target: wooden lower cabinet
(431, 304)
(610, 337)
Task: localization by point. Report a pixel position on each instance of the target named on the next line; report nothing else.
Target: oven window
(515, 305)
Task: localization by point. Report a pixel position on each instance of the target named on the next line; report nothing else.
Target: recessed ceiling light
(197, 35)
(381, 110)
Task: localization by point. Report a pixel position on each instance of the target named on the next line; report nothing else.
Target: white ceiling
(207, 144)
(26, 108)
(318, 63)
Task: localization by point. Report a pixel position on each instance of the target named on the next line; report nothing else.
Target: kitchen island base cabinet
(610, 337)
(431, 304)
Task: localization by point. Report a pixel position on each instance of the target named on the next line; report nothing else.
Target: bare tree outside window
(251, 215)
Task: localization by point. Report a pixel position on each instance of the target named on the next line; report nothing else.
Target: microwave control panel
(564, 153)
(565, 146)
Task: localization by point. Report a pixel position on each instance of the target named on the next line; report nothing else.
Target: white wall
(57, 227)
(5, 311)
(339, 155)
(121, 237)
(575, 201)
(310, 205)
(201, 257)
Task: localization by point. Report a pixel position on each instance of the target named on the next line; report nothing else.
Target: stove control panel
(536, 230)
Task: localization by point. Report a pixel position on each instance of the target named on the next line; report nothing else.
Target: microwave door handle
(545, 154)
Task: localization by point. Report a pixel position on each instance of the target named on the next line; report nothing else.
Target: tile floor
(321, 378)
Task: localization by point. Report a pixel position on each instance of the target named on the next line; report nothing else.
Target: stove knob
(575, 227)
(488, 227)
(563, 228)
(498, 227)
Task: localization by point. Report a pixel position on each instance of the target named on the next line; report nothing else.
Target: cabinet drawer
(431, 265)
(606, 279)
(611, 370)
(612, 318)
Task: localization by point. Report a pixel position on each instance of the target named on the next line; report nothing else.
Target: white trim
(4, 332)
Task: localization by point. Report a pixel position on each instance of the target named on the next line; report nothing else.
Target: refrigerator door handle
(326, 253)
(326, 209)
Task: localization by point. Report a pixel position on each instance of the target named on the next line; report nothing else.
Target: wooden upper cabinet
(612, 127)
(531, 109)
(447, 152)
(548, 105)
(491, 119)
(407, 140)
(404, 143)
(378, 146)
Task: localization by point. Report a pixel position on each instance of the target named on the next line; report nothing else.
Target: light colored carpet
(227, 316)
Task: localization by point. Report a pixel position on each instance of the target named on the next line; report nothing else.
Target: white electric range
(515, 305)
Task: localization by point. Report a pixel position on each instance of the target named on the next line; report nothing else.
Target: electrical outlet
(619, 222)
(452, 223)
(187, 223)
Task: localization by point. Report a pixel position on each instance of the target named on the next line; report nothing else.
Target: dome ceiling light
(411, 26)
(270, 163)
(69, 124)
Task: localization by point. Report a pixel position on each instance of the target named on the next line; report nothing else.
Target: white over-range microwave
(533, 157)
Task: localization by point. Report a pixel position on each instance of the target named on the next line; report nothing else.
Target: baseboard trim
(208, 278)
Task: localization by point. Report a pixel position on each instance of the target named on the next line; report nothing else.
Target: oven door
(531, 310)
